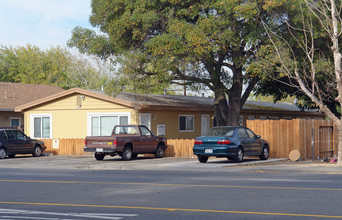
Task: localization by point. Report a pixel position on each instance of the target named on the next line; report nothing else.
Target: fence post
(312, 143)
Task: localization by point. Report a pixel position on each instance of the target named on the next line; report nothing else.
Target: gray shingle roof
(15, 94)
(197, 101)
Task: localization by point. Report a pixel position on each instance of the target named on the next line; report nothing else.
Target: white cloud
(43, 23)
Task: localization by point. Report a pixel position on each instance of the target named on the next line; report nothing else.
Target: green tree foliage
(55, 66)
(208, 42)
(32, 65)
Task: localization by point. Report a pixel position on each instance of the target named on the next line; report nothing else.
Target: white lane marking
(41, 174)
(114, 216)
(18, 217)
(291, 180)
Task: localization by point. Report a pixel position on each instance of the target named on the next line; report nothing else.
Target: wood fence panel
(287, 135)
(283, 136)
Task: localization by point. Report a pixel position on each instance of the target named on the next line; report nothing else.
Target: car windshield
(227, 132)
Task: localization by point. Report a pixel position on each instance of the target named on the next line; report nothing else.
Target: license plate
(208, 151)
(99, 149)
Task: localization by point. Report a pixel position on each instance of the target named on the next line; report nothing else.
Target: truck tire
(99, 156)
(160, 151)
(127, 153)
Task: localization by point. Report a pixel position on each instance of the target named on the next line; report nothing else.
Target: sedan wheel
(264, 154)
(2, 153)
(37, 151)
(239, 155)
(202, 159)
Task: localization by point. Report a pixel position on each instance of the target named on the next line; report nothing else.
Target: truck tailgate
(100, 142)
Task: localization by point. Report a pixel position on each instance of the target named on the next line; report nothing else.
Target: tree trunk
(234, 93)
(339, 151)
(220, 107)
(234, 110)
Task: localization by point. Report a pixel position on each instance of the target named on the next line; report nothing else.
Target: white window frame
(99, 114)
(193, 121)
(208, 117)
(161, 127)
(12, 118)
(32, 116)
(148, 115)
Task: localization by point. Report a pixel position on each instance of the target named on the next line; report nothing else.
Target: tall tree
(208, 42)
(309, 75)
(54, 66)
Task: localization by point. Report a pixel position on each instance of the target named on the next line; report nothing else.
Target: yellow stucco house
(76, 113)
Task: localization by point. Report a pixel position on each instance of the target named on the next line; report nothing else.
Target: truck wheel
(2, 153)
(99, 156)
(160, 151)
(127, 153)
(37, 151)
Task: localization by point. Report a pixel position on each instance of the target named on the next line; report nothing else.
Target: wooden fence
(287, 135)
(176, 147)
(283, 136)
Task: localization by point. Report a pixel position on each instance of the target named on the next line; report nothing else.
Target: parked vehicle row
(127, 141)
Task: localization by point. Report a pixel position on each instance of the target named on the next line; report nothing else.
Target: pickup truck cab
(126, 141)
(13, 141)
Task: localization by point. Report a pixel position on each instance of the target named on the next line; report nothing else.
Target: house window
(251, 117)
(103, 124)
(161, 129)
(186, 123)
(15, 122)
(263, 117)
(41, 126)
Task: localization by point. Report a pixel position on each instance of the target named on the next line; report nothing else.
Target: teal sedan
(233, 142)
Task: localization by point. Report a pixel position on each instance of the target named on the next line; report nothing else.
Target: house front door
(205, 125)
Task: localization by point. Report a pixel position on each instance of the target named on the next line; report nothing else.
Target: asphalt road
(240, 192)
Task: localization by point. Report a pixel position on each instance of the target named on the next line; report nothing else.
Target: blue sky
(44, 23)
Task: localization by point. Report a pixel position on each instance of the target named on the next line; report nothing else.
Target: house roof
(163, 102)
(15, 94)
(65, 93)
(154, 100)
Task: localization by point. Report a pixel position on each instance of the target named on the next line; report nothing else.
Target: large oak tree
(205, 42)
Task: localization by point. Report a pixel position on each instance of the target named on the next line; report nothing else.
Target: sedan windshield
(227, 132)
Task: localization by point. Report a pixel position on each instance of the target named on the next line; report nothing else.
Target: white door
(145, 119)
(205, 123)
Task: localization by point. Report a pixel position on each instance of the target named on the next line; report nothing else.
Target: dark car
(231, 142)
(14, 142)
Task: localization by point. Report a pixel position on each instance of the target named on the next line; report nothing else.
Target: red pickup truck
(126, 141)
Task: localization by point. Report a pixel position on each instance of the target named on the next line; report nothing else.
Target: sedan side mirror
(257, 137)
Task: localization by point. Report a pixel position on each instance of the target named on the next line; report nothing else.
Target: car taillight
(198, 142)
(85, 142)
(224, 141)
(115, 142)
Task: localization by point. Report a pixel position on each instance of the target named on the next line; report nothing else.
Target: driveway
(169, 163)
